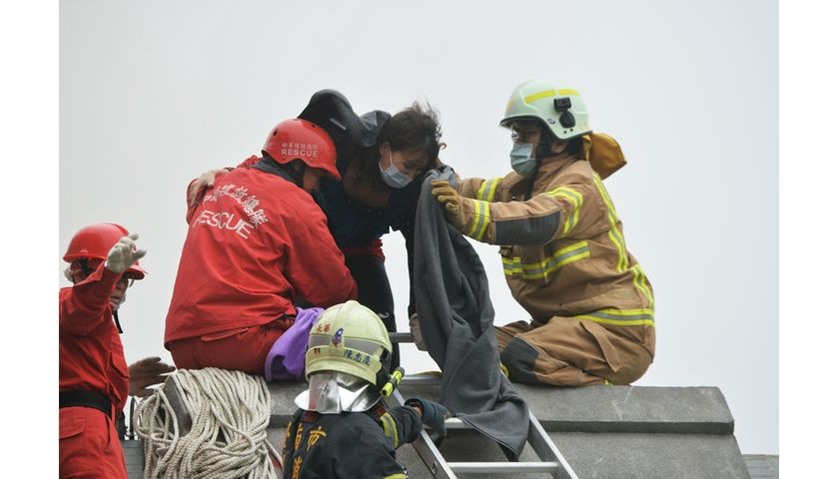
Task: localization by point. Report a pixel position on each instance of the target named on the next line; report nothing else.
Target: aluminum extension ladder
(551, 460)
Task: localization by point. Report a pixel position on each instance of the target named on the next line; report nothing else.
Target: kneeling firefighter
(343, 429)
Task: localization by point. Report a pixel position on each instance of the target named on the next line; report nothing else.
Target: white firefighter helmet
(349, 338)
(558, 107)
(348, 360)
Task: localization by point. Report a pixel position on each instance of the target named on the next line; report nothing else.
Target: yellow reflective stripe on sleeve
(389, 426)
(614, 232)
(543, 269)
(621, 317)
(490, 194)
(549, 93)
(481, 221)
(576, 199)
(480, 194)
(486, 193)
(476, 219)
(485, 226)
(396, 476)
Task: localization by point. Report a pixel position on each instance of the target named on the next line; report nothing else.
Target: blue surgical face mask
(392, 176)
(521, 158)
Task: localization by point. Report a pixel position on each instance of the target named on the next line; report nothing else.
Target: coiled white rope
(230, 411)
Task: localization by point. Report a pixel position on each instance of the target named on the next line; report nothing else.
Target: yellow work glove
(449, 197)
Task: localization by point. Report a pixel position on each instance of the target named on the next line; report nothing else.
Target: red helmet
(300, 139)
(96, 241)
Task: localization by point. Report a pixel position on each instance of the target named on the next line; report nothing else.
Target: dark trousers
(374, 292)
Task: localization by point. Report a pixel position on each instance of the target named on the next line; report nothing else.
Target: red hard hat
(96, 241)
(300, 139)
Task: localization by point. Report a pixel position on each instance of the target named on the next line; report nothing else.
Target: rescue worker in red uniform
(94, 380)
(257, 247)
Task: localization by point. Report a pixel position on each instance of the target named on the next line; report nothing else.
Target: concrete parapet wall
(604, 432)
(629, 409)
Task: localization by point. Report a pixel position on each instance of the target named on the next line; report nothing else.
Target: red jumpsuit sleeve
(190, 209)
(82, 307)
(315, 265)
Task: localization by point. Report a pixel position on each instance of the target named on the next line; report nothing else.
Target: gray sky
(153, 93)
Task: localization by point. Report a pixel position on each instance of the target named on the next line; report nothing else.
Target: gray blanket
(456, 322)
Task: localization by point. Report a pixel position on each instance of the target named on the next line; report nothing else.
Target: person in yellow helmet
(343, 429)
(562, 246)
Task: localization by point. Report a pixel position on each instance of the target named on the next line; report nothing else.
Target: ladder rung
(554, 463)
(456, 423)
(501, 467)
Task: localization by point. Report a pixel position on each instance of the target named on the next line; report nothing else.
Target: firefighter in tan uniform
(562, 246)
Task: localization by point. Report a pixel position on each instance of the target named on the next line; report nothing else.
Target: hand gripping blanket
(456, 320)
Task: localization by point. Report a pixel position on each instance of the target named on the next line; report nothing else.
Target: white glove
(413, 324)
(123, 255)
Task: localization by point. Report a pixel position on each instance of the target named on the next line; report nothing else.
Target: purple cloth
(286, 360)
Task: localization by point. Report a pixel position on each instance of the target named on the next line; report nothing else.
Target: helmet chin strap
(543, 150)
(116, 320)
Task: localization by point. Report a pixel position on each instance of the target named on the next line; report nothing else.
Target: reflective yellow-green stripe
(576, 199)
(486, 222)
(482, 190)
(543, 269)
(398, 475)
(640, 280)
(389, 426)
(486, 193)
(621, 317)
(476, 218)
(549, 93)
(480, 222)
(614, 232)
(490, 193)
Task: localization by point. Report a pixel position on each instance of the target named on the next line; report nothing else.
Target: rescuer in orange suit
(94, 380)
